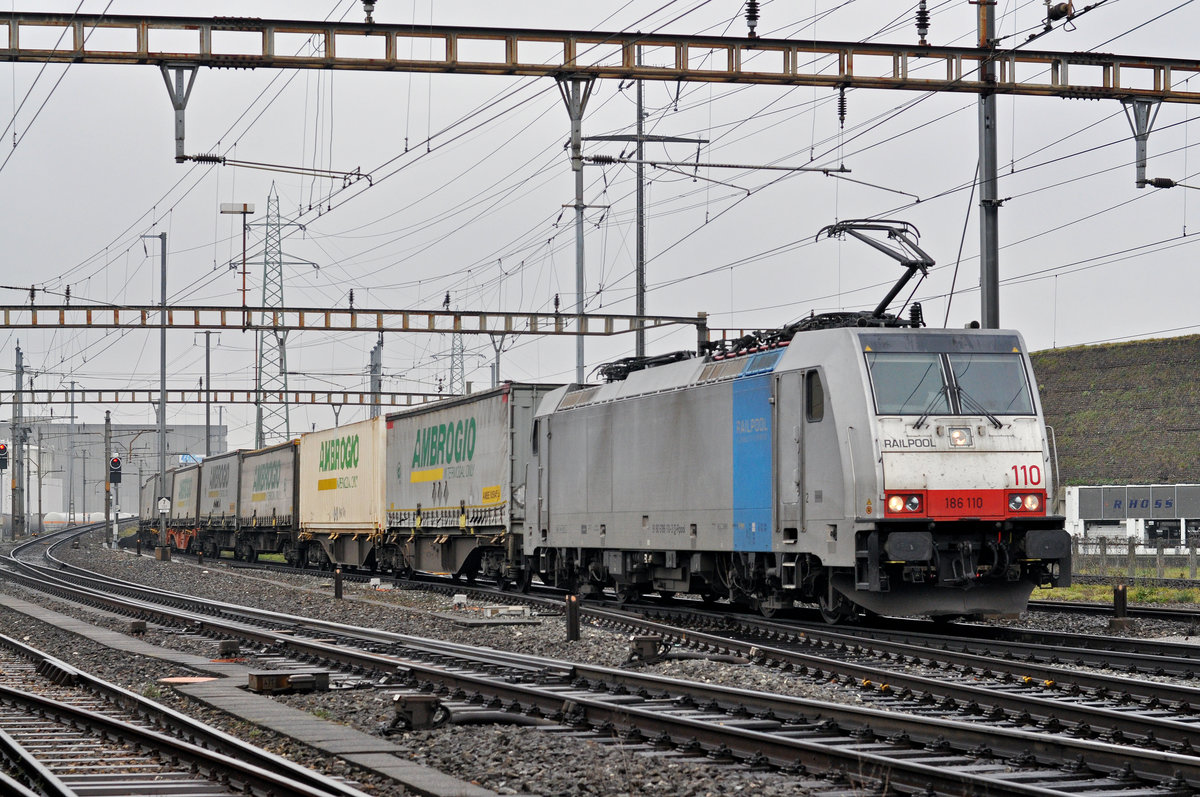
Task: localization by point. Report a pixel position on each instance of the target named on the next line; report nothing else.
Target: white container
(341, 479)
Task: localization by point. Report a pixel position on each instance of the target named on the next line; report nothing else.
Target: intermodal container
(341, 479)
(461, 462)
(267, 489)
(219, 489)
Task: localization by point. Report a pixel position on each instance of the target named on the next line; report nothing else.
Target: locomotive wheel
(627, 593)
(838, 613)
(761, 606)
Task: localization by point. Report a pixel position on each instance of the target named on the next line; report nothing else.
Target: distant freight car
(218, 491)
(268, 504)
(149, 495)
(185, 507)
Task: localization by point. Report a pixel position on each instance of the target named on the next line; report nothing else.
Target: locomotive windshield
(961, 383)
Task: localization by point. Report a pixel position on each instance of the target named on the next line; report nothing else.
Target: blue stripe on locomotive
(752, 463)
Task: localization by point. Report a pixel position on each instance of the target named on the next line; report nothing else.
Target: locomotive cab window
(908, 384)
(992, 382)
(814, 397)
(960, 383)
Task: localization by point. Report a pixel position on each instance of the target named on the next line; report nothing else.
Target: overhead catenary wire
(606, 280)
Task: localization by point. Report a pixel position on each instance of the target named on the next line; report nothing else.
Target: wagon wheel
(627, 593)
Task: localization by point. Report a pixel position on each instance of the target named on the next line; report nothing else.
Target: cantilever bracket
(179, 93)
(1141, 114)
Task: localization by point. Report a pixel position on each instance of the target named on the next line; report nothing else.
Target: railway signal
(3, 456)
(114, 470)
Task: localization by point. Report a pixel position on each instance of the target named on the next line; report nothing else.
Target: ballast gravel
(505, 759)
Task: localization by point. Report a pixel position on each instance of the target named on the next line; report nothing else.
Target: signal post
(111, 512)
(108, 456)
(4, 467)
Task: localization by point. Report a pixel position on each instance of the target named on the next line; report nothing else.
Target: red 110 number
(1027, 475)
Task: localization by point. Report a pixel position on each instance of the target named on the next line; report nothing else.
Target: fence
(1126, 559)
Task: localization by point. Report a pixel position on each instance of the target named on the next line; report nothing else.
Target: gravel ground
(506, 759)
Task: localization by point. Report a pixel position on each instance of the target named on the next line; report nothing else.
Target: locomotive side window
(814, 397)
(996, 382)
(536, 443)
(907, 384)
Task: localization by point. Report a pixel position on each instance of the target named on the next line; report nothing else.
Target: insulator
(208, 159)
(842, 106)
(752, 17)
(922, 21)
(915, 318)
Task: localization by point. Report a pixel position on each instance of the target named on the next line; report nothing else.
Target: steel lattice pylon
(273, 422)
(458, 385)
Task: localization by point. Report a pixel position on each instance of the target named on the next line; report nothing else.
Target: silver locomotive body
(898, 471)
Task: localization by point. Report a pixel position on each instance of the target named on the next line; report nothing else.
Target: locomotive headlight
(904, 503)
(1024, 502)
(960, 436)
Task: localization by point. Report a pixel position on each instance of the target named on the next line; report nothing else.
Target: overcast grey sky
(469, 179)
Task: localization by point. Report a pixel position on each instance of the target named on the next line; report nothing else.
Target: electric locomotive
(856, 461)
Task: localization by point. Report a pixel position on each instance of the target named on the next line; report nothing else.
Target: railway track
(65, 733)
(957, 738)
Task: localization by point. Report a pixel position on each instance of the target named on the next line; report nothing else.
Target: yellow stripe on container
(430, 475)
(327, 484)
(256, 497)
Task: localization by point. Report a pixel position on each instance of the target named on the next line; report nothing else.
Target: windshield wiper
(929, 408)
(965, 399)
